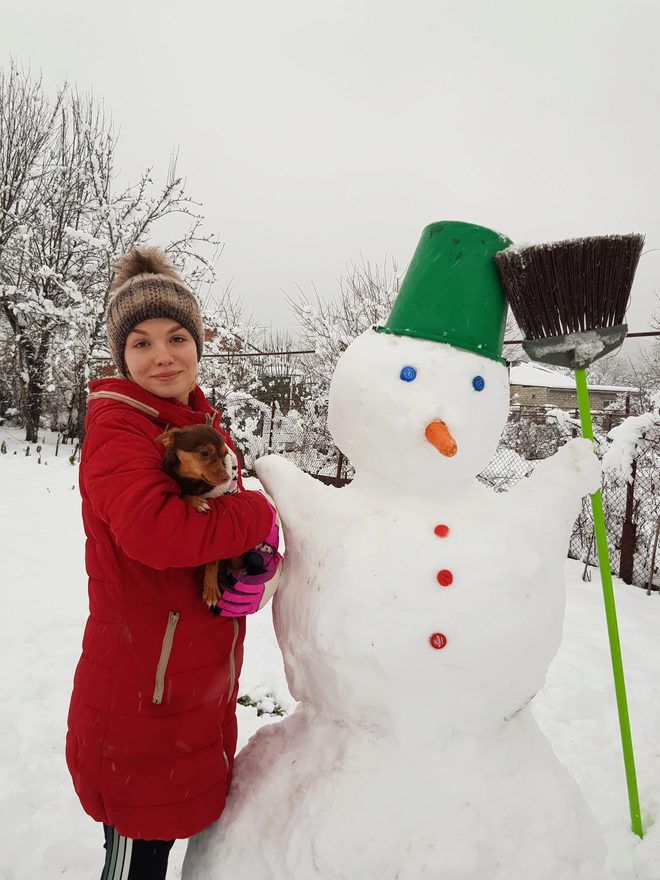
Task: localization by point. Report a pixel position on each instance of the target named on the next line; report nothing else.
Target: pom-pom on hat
(146, 285)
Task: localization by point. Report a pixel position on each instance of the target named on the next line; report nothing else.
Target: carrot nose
(437, 433)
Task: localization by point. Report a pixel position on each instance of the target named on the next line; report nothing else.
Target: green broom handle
(610, 614)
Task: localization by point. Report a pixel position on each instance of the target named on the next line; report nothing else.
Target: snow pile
(44, 602)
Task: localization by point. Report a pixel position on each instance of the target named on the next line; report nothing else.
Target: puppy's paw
(198, 503)
(211, 593)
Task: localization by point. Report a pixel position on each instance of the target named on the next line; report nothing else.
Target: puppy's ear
(167, 439)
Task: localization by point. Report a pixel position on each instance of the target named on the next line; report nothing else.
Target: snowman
(417, 614)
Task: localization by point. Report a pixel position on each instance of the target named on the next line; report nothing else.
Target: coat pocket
(165, 651)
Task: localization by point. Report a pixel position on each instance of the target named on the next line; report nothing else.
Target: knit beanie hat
(146, 285)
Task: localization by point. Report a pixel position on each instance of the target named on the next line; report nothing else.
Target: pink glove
(242, 589)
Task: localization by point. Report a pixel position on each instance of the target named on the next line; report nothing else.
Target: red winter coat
(152, 721)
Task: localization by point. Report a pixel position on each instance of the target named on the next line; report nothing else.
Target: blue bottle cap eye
(408, 374)
(478, 383)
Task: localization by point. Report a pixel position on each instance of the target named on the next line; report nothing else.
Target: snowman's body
(414, 650)
(350, 609)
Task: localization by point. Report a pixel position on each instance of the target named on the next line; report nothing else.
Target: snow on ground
(44, 602)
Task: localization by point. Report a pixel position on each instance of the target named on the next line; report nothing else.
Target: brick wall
(529, 395)
(563, 398)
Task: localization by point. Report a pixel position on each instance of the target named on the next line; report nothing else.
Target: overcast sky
(317, 134)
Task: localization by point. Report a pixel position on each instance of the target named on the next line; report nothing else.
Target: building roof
(543, 377)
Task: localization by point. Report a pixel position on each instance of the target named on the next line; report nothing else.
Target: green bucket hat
(452, 291)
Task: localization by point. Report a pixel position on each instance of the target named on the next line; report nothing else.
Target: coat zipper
(165, 651)
(232, 661)
(232, 675)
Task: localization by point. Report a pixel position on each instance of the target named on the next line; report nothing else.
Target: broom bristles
(570, 286)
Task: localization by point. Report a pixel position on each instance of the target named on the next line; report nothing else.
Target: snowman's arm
(295, 494)
(563, 479)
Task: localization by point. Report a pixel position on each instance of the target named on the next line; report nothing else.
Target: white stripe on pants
(120, 857)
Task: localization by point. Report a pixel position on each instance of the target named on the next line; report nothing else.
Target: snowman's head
(403, 408)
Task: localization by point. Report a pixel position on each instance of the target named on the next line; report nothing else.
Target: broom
(570, 298)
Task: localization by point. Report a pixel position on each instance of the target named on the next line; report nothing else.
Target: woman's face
(161, 357)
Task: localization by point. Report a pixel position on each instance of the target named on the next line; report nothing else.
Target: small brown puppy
(198, 458)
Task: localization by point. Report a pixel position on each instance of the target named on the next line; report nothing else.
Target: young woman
(152, 722)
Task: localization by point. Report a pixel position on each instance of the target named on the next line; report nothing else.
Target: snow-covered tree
(62, 226)
(648, 370)
(255, 389)
(28, 138)
(366, 295)
(228, 372)
(118, 222)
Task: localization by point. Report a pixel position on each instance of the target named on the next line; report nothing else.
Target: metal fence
(632, 514)
(632, 509)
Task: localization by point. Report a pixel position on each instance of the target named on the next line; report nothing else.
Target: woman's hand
(242, 589)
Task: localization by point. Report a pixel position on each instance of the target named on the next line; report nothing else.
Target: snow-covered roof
(543, 377)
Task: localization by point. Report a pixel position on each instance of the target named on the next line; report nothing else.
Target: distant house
(536, 385)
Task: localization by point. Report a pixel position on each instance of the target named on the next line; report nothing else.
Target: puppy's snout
(221, 474)
(220, 470)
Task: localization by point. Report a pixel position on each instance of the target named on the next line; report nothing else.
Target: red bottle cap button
(441, 531)
(438, 641)
(445, 577)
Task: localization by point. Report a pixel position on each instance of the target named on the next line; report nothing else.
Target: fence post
(272, 423)
(629, 528)
(649, 586)
(628, 531)
(340, 462)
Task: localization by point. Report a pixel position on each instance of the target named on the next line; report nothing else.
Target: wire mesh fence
(632, 516)
(632, 508)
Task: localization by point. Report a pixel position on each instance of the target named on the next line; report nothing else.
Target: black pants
(127, 859)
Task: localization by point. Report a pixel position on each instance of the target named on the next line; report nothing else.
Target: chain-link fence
(632, 509)
(631, 506)
(632, 513)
